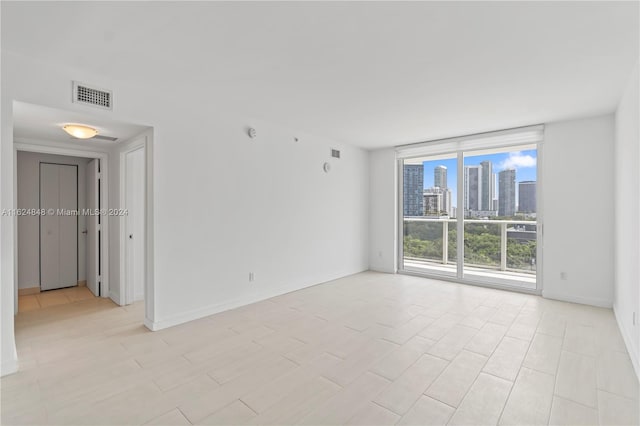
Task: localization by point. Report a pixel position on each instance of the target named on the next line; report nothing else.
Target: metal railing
(505, 226)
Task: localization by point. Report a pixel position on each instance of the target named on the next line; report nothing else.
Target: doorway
(40, 129)
(55, 239)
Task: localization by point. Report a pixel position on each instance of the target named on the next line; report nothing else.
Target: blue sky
(523, 161)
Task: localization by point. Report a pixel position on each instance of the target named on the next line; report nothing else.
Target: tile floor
(45, 299)
(370, 349)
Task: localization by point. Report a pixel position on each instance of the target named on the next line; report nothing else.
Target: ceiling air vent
(84, 94)
(335, 153)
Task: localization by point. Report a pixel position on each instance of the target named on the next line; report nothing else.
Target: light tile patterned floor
(45, 299)
(367, 349)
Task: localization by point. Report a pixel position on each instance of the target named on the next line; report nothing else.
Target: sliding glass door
(500, 219)
(472, 214)
(429, 214)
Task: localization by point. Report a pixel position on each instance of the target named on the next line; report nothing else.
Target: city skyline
(524, 162)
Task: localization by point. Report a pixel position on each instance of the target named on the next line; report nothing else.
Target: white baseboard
(28, 291)
(628, 343)
(228, 305)
(208, 310)
(150, 325)
(381, 269)
(116, 298)
(8, 367)
(602, 303)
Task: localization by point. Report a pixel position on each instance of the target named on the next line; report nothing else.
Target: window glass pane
(429, 211)
(500, 231)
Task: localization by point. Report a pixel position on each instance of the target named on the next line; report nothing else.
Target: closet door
(58, 231)
(49, 227)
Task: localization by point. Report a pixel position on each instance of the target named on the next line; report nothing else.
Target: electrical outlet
(563, 276)
(380, 254)
(251, 277)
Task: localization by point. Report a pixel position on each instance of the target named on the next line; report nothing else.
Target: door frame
(127, 291)
(104, 194)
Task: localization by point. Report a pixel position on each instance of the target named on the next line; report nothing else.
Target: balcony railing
(498, 245)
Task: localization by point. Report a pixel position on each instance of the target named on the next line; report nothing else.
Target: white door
(58, 230)
(134, 224)
(93, 227)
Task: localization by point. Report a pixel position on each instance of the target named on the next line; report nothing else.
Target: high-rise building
(446, 201)
(440, 177)
(486, 201)
(527, 196)
(432, 204)
(412, 191)
(437, 201)
(494, 192)
(472, 188)
(507, 193)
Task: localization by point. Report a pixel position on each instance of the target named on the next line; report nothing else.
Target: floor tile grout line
(513, 383)
(618, 395)
(387, 409)
(247, 405)
(575, 402)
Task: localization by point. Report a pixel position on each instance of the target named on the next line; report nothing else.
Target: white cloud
(518, 161)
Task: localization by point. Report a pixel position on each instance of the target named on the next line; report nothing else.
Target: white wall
(627, 205)
(578, 198)
(28, 172)
(383, 214)
(227, 205)
(224, 205)
(8, 263)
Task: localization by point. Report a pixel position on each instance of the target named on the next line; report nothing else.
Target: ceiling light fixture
(79, 131)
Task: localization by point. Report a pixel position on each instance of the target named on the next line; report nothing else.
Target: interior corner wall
(28, 185)
(626, 302)
(383, 211)
(578, 198)
(224, 204)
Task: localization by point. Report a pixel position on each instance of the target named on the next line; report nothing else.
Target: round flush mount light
(79, 131)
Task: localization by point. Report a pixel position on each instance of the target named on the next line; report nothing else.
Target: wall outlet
(380, 254)
(252, 277)
(563, 276)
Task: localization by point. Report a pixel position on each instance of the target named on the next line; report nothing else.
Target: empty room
(320, 213)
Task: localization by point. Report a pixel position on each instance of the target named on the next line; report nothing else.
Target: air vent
(105, 138)
(335, 153)
(84, 94)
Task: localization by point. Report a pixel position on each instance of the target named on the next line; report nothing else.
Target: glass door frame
(503, 284)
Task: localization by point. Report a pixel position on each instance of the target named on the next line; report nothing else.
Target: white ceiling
(39, 123)
(372, 74)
